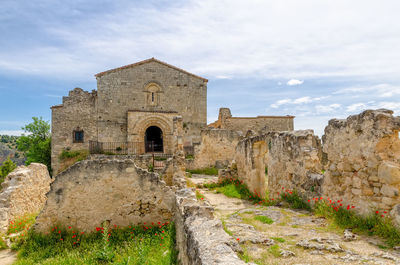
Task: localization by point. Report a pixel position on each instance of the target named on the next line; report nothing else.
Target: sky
(314, 59)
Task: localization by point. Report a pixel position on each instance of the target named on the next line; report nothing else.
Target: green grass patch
(275, 251)
(212, 171)
(3, 244)
(225, 228)
(130, 245)
(230, 191)
(279, 239)
(71, 154)
(199, 196)
(264, 219)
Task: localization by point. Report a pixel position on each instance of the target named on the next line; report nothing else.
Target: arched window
(152, 94)
(78, 136)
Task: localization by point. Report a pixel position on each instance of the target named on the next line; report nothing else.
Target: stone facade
(23, 192)
(129, 100)
(93, 191)
(258, 124)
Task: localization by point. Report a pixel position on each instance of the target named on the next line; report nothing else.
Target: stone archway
(153, 140)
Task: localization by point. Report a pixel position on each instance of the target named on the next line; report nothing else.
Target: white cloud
(267, 39)
(11, 132)
(379, 90)
(327, 108)
(297, 101)
(294, 82)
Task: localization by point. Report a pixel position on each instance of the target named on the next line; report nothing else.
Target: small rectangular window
(78, 136)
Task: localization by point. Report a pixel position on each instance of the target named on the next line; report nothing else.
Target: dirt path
(291, 236)
(7, 257)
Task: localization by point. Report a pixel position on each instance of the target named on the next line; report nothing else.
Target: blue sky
(313, 59)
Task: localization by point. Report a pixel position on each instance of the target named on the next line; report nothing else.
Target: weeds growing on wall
(68, 158)
(21, 224)
(142, 244)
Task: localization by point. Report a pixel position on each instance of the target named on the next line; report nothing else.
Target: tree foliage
(37, 143)
(6, 168)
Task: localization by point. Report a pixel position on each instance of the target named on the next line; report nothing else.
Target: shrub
(294, 200)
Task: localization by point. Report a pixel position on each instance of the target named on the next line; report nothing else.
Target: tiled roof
(148, 61)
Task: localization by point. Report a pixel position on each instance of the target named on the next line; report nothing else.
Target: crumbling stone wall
(77, 111)
(23, 191)
(258, 124)
(363, 159)
(276, 160)
(200, 237)
(217, 148)
(93, 191)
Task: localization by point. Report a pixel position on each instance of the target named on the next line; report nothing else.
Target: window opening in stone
(78, 136)
(152, 96)
(154, 139)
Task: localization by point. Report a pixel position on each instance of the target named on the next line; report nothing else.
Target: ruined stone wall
(93, 191)
(200, 237)
(217, 148)
(259, 124)
(23, 192)
(274, 160)
(77, 111)
(363, 160)
(130, 89)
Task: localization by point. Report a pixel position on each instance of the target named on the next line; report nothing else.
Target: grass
(211, 171)
(131, 245)
(375, 224)
(264, 219)
(295, 201)
(3, 244)
(225, 228)
(279, 239)
(275, 251)
(230, 191)
(68, 158)
(199, 196)
(21, 223)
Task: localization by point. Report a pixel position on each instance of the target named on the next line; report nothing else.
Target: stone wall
(200, 237)
(358, 163)
(280, 159)
(217, 148)
(258, 124)
(93, 191)
(77, 111)
(23, 192)
(363, 160)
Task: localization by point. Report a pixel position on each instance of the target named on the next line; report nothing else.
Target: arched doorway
(153, 139)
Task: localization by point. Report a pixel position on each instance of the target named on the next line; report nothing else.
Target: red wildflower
(377, 212)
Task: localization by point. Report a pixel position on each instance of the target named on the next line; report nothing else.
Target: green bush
(6, 168)
(295, 201)
(3, 244)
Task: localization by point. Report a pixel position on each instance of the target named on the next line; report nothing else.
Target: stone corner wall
(217, 148)
(200, 237)
(93, 191)
(23, 191)
(363, 160)
(277, 160)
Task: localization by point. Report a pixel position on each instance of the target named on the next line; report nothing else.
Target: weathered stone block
(389, 172)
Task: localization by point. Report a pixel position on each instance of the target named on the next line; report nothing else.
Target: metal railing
(116, 148)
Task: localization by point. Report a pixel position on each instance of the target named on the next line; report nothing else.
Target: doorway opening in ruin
(153, 140)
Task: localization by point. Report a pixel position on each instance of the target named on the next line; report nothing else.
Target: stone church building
(133, 110)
